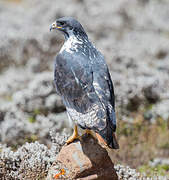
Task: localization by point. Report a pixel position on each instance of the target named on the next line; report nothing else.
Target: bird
(83, 81)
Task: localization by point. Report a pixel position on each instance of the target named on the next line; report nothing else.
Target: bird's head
(68, 26)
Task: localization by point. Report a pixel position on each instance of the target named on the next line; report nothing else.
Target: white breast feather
(70, 45)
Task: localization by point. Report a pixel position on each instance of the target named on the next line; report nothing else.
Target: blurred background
(134, 38)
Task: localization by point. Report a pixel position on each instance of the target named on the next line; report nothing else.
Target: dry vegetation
(141, 142)
(135, 42)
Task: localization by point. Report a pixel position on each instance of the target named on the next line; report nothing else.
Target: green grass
(32, 119)
(31, 138)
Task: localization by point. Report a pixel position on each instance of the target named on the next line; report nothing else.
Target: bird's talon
(71, 139)
(74, 136)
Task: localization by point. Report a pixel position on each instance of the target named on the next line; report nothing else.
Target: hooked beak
(54, 26)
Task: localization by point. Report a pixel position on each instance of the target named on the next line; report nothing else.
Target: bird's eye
(62, 23)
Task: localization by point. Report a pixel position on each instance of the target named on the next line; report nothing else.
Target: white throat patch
(71, 44)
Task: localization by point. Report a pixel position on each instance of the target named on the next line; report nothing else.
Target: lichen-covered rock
(83, 160)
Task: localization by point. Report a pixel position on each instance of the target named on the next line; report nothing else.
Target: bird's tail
(113, 143)
(108, 133)
(108, 137)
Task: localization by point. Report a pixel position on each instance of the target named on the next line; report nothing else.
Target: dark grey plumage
(83, 81)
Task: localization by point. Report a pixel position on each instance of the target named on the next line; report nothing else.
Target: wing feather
(104, 88)
(87, 90)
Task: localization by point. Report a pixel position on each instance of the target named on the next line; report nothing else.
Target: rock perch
(83, 160)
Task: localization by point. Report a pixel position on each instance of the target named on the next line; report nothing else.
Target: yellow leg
(88, 132)
(74, 136)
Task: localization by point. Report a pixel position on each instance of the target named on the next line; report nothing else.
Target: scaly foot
(74, 136)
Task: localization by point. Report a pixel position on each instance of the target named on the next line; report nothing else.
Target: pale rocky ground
(132, 35)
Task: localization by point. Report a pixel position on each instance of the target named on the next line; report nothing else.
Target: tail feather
(109, 132)
(108, 139)
(113, 143)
